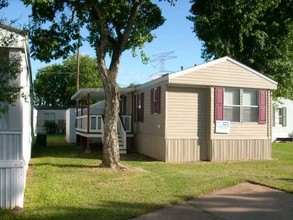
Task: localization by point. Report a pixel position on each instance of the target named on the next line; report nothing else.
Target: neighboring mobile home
(216, 111)
(283, 119)
(16, 128)
(51, 114)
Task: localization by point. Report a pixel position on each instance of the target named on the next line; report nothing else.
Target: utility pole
(78, 63)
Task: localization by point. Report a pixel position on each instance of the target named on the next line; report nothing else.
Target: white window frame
(241, 105)
(280, 116)
(233, 105)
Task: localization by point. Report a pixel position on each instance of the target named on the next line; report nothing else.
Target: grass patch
(64, 183)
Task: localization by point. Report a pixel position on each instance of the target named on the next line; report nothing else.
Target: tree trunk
(110, 144)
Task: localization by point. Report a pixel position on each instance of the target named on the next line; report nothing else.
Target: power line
(161, 59)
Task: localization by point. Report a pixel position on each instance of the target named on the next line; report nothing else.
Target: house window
(250, 105)
(240, 105)
(156, 100)
(123, 105)
(140, 107)
(49, 117)
(282, 116)
(232, 105)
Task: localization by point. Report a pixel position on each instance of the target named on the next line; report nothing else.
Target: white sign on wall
(223, 127)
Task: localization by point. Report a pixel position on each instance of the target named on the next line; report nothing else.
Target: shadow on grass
(290, 180)
(262, 205)
(66, 165)
(57, 147)
(108, 210)
(136, 157)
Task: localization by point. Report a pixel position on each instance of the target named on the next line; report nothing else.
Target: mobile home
(283, 119)
(16, 127)
(217, 111)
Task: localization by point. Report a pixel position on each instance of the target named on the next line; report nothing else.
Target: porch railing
(122, 133)
(127, 122)
(96, 124)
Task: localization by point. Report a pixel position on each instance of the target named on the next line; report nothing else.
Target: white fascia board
(252, 70)
(96, 93)
(152, 83)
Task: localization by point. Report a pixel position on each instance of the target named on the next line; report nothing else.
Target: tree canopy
(112, 27)
(256, 33)
(55, 84)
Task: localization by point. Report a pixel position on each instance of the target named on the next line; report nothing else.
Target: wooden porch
(91, 125)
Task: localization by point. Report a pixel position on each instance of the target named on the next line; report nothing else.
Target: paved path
(240, 202)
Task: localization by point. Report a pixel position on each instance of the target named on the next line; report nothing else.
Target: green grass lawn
(63, 183)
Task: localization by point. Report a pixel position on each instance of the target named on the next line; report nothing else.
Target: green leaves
(55, 84)
(55, 26)
(257, 33)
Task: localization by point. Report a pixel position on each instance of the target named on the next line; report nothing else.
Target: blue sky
(174, 35)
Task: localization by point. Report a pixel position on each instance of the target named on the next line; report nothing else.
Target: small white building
(283, 119)
(70, 126)
(16, 127)
(49, 114)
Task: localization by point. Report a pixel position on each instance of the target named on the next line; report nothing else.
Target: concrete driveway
(243, 201)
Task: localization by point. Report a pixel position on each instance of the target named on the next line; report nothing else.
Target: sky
(175, 37)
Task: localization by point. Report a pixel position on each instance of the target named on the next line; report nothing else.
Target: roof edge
(213, 62)
(13, 29)
(251, 70)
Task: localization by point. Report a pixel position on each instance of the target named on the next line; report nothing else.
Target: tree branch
(122, 38)
(101, 47)
(130, 22)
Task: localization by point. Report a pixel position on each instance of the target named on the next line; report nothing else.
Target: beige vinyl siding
(184, 150)
(187, 113)
(129, 104)
(223, 74)
(150, 134)
(245, 130)
(240, 149)
(154, 124)
(186, 129)
(152, 146)
(246, 141)
(269, 114)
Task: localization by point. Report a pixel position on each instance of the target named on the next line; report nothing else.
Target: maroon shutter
(142, 106)
(219, 103)
(158, 90)
(152, 101)
(262, 106)
(134, 108)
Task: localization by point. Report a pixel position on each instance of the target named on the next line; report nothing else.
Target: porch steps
(122, 148)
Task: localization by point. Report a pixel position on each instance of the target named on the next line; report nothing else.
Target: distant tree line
(55, 84)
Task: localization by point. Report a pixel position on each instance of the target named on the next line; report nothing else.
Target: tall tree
(55, 84)
(113, 27)
(257, 33)
(10, 64)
